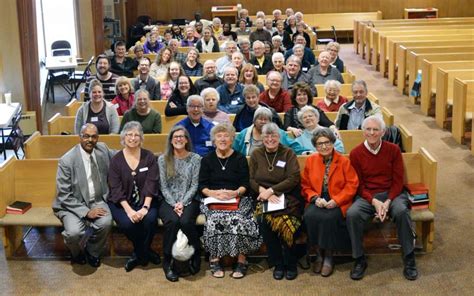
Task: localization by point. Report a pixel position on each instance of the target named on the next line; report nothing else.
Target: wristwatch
(146, 207)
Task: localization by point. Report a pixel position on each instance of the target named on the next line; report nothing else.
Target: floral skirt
(231, 232)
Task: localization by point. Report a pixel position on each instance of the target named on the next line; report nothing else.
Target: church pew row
(463, 107)
(444, 92)
(18, 177)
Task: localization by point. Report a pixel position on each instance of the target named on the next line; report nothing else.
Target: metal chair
(79, 77)
(58, 48)
(15, 138)
(326, 40)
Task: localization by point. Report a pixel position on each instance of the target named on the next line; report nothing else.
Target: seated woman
(298, 50)
(309, 117)
(227, 32)
(133, 178)
(177, 102)
(224, 175)
(192, 66)
(179, 175)
(300, 27)
(176, 32)
(332, 100)
(268, 47)
(278, 60)
(275, 174)
(277, 45)
(152, 44)
(97, 111)
(323, 71)
(249, 76)
(328, 184)
(242, 29)
(124, 99)
(169, 84)
(333, 48)
(216, 28)
(251, 138)
(285, 36)
(301, 96)
(238, 61)
(162, 62)
(141, 112)
(208, 43)
(210, 112)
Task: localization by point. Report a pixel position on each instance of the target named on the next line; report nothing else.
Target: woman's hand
(295, 131)
(143, 212)
(274, 199)
(178, 208)
(320, 202)
(265, 194)
(331, 204)
(133, 216)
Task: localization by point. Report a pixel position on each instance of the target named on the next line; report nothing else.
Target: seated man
(199, 128)
(178, 56)
(260, 33)
(263, 63)
(230, 92)
(107, 78)
(210, 78)
(293, 74)
(223, 62)
(275, 96)
(352, 113)
(81, 197)
(379, 166)
(323, 71)
(244, 14)
(145, 81)
(120, 64)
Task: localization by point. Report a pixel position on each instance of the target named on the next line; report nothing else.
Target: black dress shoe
(291, 274)
(92, 260)
(358, 271)
(278, 273)
(170, 274)
(154, 257)
(409, 271)
(132, 263)
(79, 259)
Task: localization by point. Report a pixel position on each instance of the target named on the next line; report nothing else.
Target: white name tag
(116, 106)
(257, 66)
(305, 69)
(208, 143)
(215, 123)
(234, 102)
(112, 89)
(94, 119)
(143, 169)
(281, 164)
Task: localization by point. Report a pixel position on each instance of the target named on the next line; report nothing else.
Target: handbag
(225, 206)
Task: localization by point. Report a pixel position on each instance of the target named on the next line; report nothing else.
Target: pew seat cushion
(422, 216)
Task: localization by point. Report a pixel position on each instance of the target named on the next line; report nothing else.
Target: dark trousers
(140, 234)
(173, 223)
(279, 254)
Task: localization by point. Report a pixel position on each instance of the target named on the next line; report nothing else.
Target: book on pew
(269, 207)
(18, 207)
(422, 206)
(416, 188)
(213, 200)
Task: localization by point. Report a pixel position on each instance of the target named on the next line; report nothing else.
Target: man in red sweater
(379, 166)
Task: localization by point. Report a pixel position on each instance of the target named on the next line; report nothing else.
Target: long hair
(169, 152)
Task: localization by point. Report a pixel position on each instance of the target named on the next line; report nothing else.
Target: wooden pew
(463, 107)
(74, 105)
(444, 91)
(202, 56)
(430, 70)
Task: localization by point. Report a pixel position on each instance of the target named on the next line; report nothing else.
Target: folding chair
(79, 77)
(326, 40)
(58, 48)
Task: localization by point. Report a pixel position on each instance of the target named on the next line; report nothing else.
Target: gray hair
(262, 112)
(131, 125)
(223, 127)
(231, 68)
(305, 109)
(298, 46)
(250, 89)
(359, 82)
(209, 90)
(276, 11)
(244, 40)
(277, 55)
(323, 132)
(88, 125)
(277, 37)
(374, 118)
(258, 42)
(194, 97)
(270, 129)
(293, 58)
(138, 92)
(333, 44)
(231, 42)
(332, 83)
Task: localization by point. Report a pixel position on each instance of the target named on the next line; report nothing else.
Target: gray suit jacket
(72, 192)
(152, 86)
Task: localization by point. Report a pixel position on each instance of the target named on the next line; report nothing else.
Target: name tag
(257, 66)
(94, 119)
(281, 164)
(215, 123)
(112, 89)
(305, 69)
(143, 169)
(208, 143)
(116, 106)
(234, 102)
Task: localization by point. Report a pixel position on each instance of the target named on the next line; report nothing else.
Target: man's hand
(380, 210)
(96, 213)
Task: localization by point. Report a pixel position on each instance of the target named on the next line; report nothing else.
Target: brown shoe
(327, 270)
(318, 265)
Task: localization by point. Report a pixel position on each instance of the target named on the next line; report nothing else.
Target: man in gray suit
(80, 204)
(145, 81)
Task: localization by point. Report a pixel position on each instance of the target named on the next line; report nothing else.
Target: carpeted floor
(448, 270)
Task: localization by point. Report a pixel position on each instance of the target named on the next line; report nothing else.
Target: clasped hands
(224, 194)
(267, 194)
(178, 208)
(322, 203)
(137, 216)
(381, 208)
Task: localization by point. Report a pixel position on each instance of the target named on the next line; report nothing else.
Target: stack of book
(418, 196)
(18, 207)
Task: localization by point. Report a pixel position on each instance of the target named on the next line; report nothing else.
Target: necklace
(271, 165)
(222, 165)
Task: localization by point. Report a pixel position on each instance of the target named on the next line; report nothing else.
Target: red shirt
(123, 105)
(281, 103)
(378, 173)
(333, 107)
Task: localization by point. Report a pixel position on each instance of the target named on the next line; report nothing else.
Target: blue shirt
(356, 116)
(305, 141)
(231, 102)
(200, 135)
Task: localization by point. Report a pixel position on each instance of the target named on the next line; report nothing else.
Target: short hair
(169, 152)
(272, 72)
(377, 119)
(131, 125)
(301, 86)
(305, 109)
(246, 67)
(123, 80)
(332, 83)
(145, 58)
(278, 22)
(101, 57)
(194, 97)
(323, 132)
(300, 36)
(207, 29)
(229, 42)
(262, 111)
(230, 68)
(223, 127)
(88, 125)
(277, 37)
(209, 90)
(239, 54)
(216, 20)
(294, 58)
(119, 43)
(196, 51)
(276, 11)
(138, 47)
(250, 89)
(258, 42)
(209, 61)
(139, 92)
(277, 55)
(333, 44)
(95, 82)
(270, 129)
(359, 82)
(298, 46)
(244, 40)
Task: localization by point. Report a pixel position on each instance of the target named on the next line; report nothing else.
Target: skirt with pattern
(231, 232)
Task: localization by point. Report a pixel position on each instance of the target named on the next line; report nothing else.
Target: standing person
(275, 174)
(379, 166)
(210, 78)
(142, 112)
(105, 77)
(121, 64)
(133, 178)
(97, 111)
(81, 194)
(224, 175)
(179, 175)
(208, 43)
(145, 81)
(328, 183)
(124, 99)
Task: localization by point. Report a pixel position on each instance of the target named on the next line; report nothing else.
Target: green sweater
(151, 123)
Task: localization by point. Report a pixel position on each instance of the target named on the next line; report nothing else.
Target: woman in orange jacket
(329, 183)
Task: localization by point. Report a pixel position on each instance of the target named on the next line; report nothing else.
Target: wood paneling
(98, 25)
(166, 10)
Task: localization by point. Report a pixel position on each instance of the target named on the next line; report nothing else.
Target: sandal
(216, 269)
(240, 270)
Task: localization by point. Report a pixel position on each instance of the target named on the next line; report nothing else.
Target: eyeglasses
(86, 137)
(179, 136)
(132, 135)
(325, 144)
(195, 107)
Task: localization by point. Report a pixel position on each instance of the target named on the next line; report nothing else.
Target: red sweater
(281, 103)
(378, 173)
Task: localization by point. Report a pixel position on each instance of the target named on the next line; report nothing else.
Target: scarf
(207, 47)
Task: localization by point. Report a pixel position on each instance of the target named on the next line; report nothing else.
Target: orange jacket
(343, 180)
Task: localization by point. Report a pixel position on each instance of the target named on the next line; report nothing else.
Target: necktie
(95, 180)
